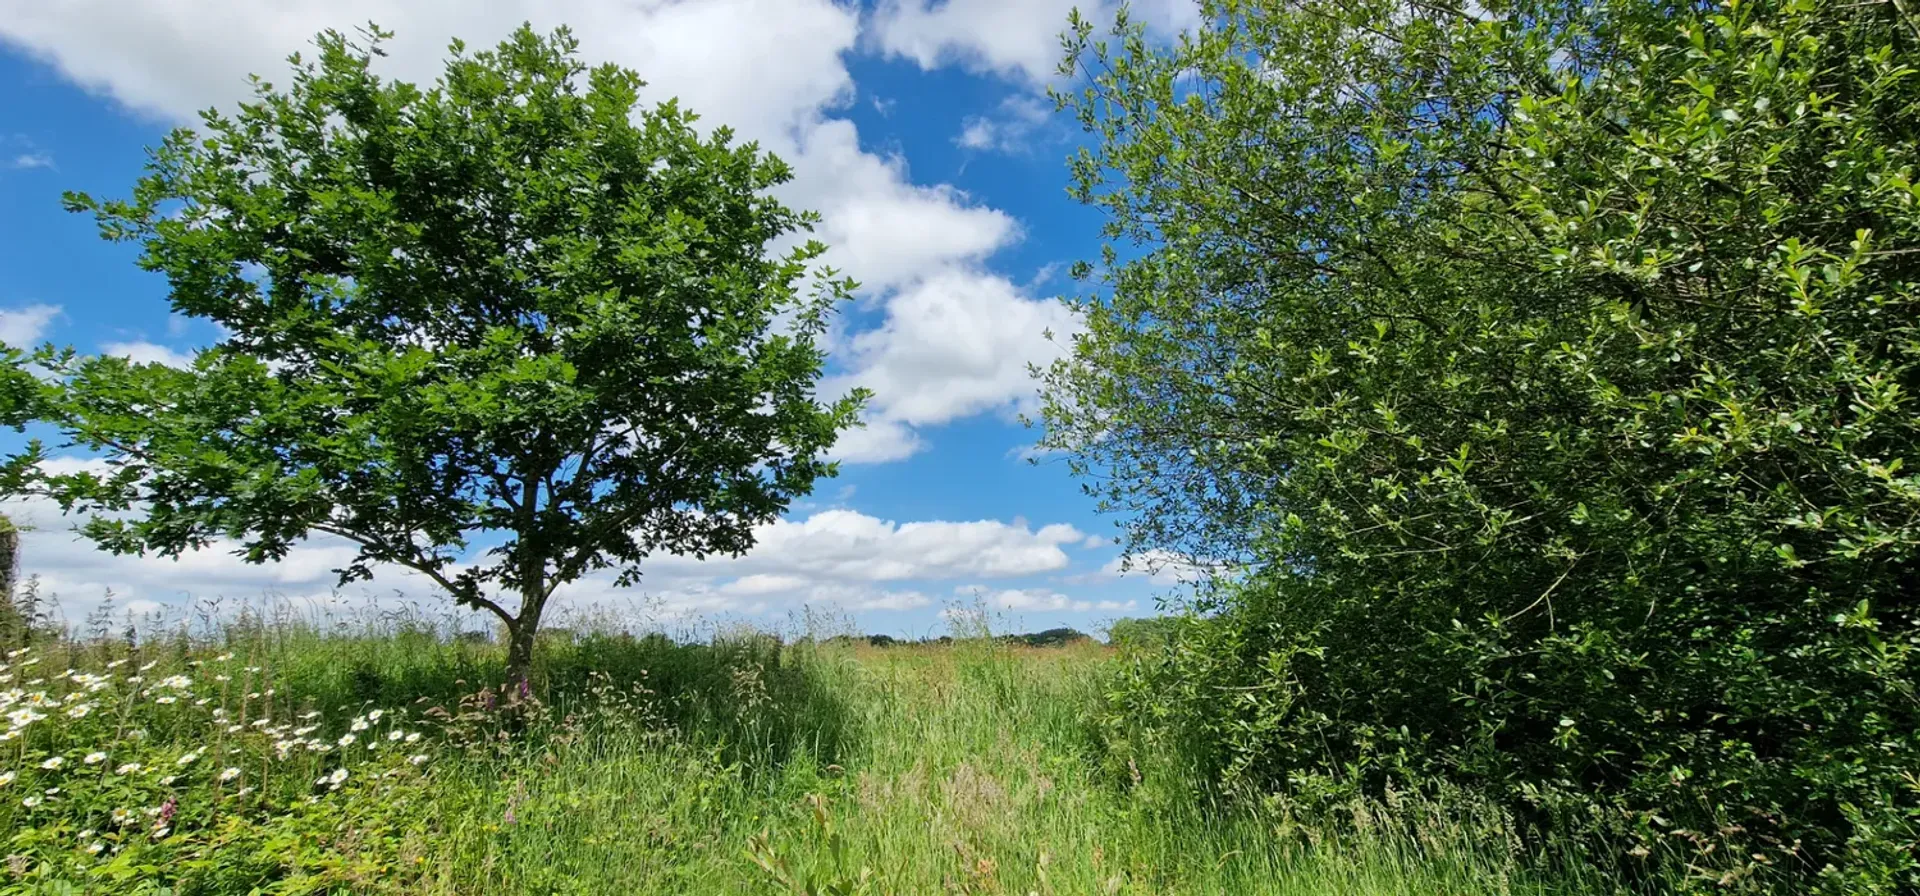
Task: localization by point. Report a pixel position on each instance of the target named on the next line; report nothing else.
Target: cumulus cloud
(1042, 600)
(954, 345)
(22, 327)
(148, 353)
(1161, 567)
(1014, 128)
(848, 546)
(1016, 39)
(833, 558)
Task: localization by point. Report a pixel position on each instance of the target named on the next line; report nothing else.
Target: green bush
(1546, 371)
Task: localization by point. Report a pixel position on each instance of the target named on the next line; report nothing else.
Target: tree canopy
(504, 330)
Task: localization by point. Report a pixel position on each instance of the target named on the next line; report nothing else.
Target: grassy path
(939, 770)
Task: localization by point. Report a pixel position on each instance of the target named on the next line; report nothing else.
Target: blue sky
(919, 130)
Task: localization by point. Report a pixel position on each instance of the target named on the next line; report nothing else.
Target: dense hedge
(1546, 371)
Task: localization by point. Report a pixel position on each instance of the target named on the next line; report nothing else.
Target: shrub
(1546, 370)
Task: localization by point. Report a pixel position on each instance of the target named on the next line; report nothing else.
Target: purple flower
(526, 690)
(511, 819)
(167, 810)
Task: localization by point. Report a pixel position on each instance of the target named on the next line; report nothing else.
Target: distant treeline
(1053, 637)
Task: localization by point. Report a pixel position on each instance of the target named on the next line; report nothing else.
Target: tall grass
(740, 765)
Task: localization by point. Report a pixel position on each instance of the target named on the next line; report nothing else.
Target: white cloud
(1042, 600)
(29, 160)
(850, 547)
(834, 558)
(954, 345)
(1014, 128)
(1160, 566)
(880, 228)
(1017, 39)
(22, 327)
(148, 353)
(878, 441)
(1096, 541)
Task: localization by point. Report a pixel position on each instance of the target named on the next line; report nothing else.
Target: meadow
(284, 757)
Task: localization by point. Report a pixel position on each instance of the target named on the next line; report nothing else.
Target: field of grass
(643, 766)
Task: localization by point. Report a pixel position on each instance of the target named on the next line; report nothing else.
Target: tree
(1547, 369)
(511, 311)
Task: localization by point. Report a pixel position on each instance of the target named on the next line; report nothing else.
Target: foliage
(513, 314)
(1546, 369)
(957, 770)
(191, 775)
(1141, 633)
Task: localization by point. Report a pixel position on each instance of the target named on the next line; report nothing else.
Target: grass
(648, 766)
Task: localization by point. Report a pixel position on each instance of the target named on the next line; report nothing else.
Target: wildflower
(127, 769)
(418, 759)
(167, 809)
(149, 667)
(304, 730)
(52, 791)
(136, 679)
(163, 700)
(346, 739)
(93, 849)
(253, 669)
(413, 737)
(396, 734)
(161, 832)
(95, 758)
(168, 780)
(188, 759)
(223, 678)
(83, 835)
(54, 763)
(236, 729)
(116, 664)
(21, 718)
(30, 802)
(228, 774)
(122, 817)
(310, 714)
(79, 710)
(7, 778)
(375, 715)
(223, 657)
(334, 779)
(358, 725)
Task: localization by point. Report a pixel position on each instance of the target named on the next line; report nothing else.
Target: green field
(647, 766)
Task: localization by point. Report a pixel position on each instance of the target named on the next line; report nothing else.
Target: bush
(1546, 371)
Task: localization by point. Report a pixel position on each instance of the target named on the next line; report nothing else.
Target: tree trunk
(520, 634)
(9, 559)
